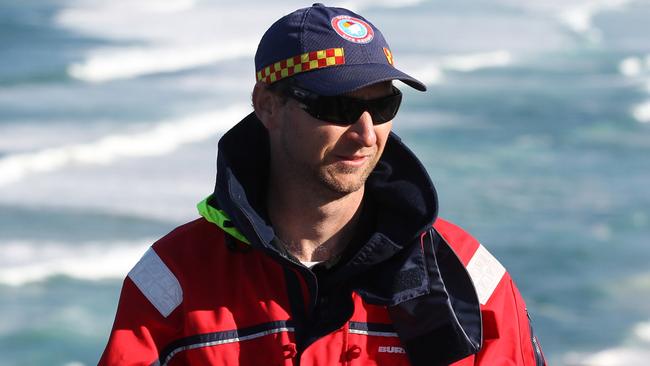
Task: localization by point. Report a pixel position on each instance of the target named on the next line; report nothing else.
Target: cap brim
(347, 78)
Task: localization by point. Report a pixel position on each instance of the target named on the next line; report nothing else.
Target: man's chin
(344, 182)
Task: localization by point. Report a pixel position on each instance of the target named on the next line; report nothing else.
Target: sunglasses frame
(349, 109)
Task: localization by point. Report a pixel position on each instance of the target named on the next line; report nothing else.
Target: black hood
(399, 187)
(404, 264)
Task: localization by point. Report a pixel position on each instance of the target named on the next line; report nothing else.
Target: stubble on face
(345, 180)
(330, 174)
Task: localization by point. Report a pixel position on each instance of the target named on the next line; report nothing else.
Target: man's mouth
(353, 160)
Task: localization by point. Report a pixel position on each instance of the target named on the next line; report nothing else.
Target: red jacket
(245, 319)
(220, 291)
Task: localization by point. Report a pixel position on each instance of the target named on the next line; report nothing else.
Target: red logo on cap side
(352, 29)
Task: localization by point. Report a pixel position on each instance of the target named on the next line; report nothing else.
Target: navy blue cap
(365, 58)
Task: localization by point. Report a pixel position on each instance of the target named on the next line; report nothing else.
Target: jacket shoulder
(194, 246)
(173, 260)
(460, 241)
(484, 269)
(197, 232)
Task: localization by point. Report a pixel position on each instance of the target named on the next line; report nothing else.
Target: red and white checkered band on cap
(301, 63)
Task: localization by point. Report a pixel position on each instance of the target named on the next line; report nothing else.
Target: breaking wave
(25, 261)
(636, 353)
(432, 72)
(160, 139)
(122, 63)
(579, 18)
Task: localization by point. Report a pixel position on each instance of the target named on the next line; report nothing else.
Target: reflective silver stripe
(486, 273)
(157, 283)
(225, 341)
(373, 333)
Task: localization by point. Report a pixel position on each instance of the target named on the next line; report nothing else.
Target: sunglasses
(343, 110)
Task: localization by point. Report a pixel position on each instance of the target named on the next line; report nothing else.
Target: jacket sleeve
(133, 338)
(508, 337)
(144, 320)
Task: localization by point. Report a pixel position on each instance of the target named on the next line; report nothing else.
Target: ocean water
(535, 130)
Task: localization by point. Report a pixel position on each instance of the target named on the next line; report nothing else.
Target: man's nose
(363, 130)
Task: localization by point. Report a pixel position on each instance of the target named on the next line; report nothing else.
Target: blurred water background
(535, 130)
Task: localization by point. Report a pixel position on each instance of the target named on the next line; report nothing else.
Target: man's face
(338, 158)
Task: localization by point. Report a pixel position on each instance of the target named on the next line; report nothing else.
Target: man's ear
(266, 104)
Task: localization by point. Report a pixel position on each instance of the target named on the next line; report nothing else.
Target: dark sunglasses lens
(385, 109)
(346, 111)
(329, 109)
(335, 110)
(352, 110)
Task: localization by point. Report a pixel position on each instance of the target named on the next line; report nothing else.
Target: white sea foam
(579, 17)
(395, 3)
(157, 6)
(638, 69)
(576, 15)
(641, 112)
(624, 356)
(169, 37)
(477, 61)
(160, 139)
(620, 356)
(429, 73)
(631, 66)
(119, 63)
(24, 262)
(160, 37)
(359, 5)
(124, 19)
(636, 351)
(433, 71)
(642, 331)
(635, 66)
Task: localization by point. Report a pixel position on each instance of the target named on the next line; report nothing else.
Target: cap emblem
(352, 29)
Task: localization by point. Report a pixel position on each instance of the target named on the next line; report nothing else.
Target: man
(320, 244)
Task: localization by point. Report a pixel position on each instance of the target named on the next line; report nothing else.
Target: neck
(313, 227)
